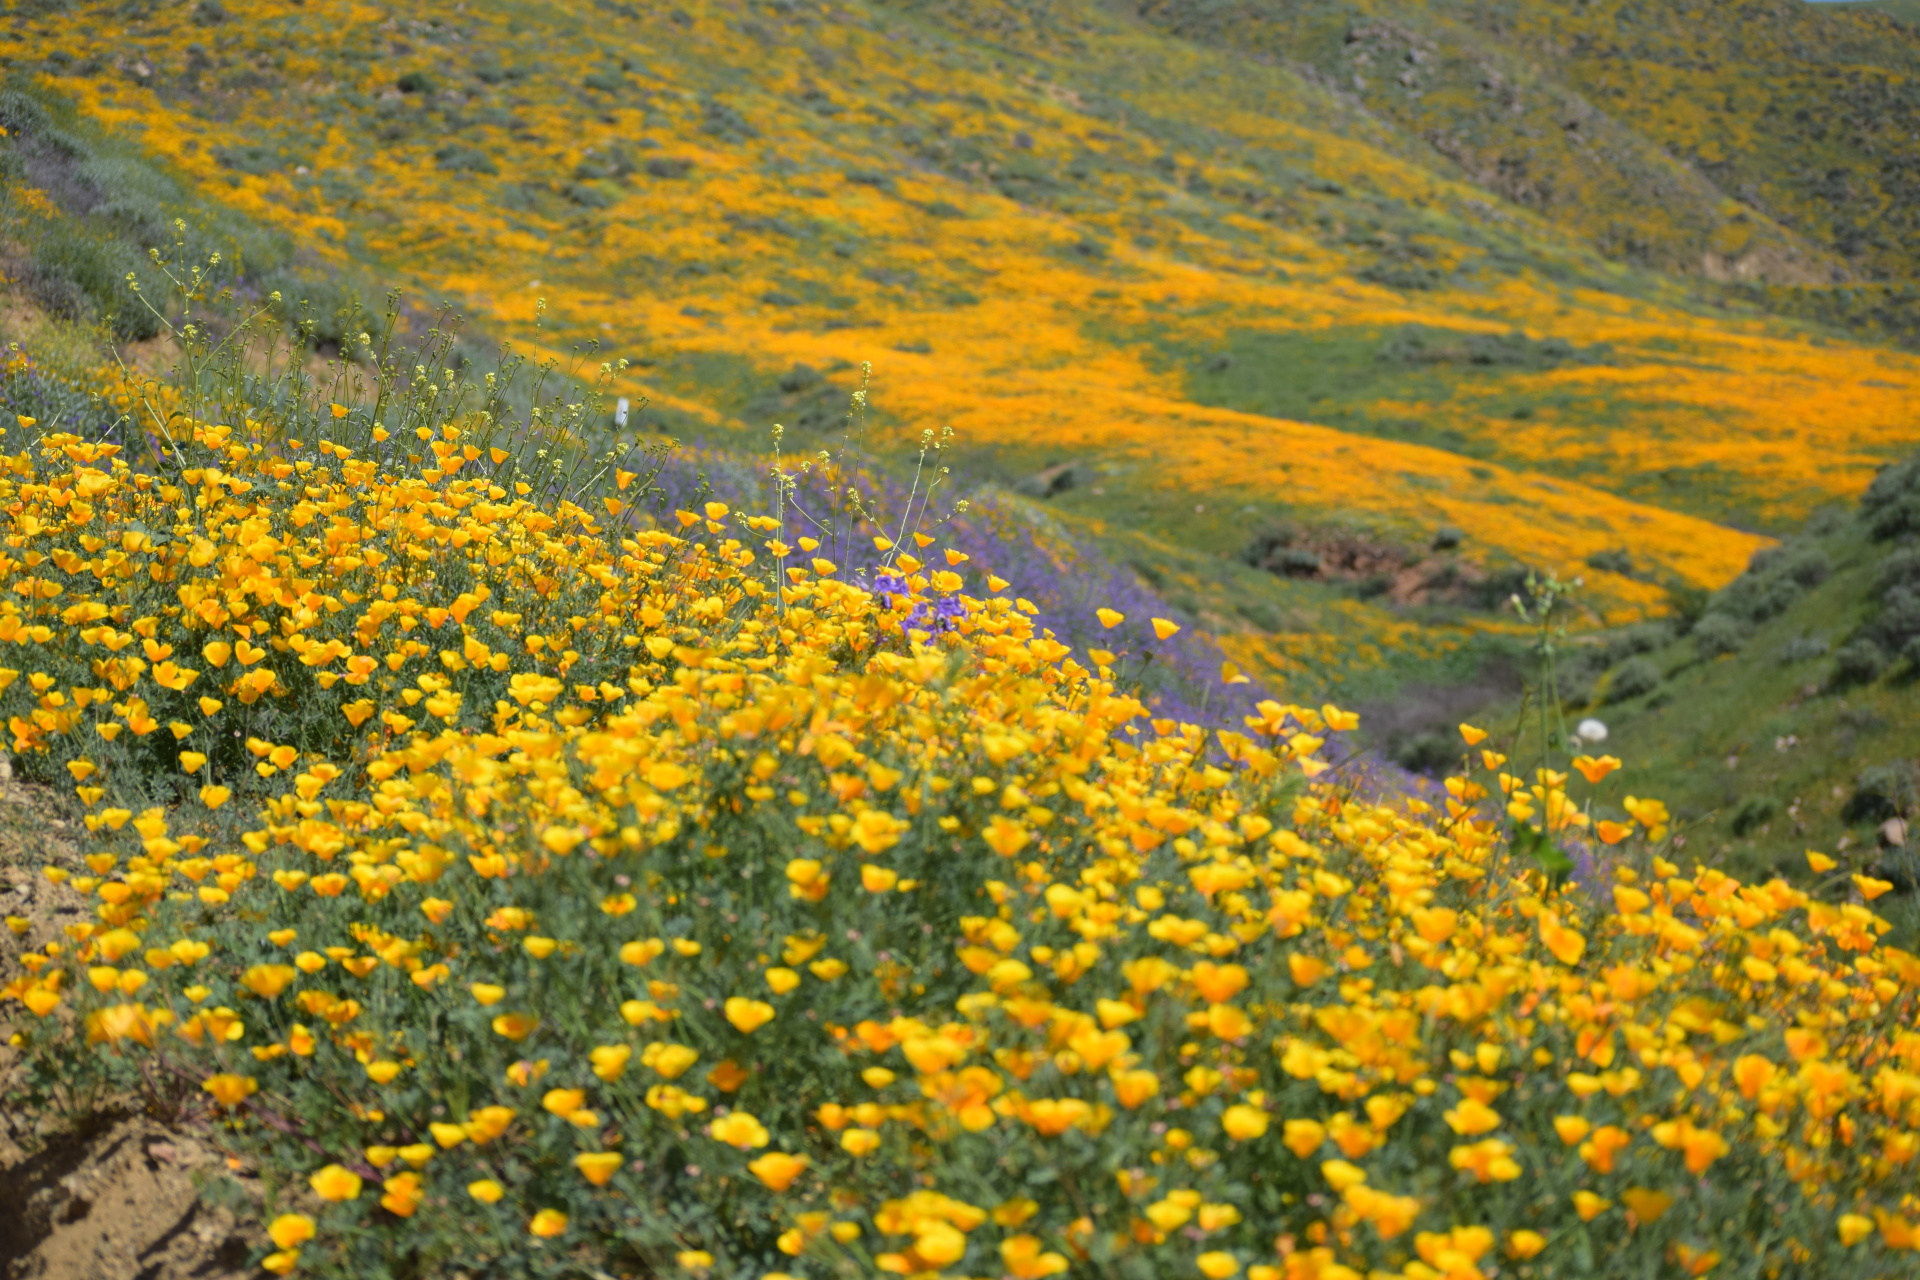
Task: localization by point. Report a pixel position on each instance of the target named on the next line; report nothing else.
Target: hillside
(1242, 306)
(543, 882)
(1905, 10)
(1764, 140)
(1780, 716)
(771, 639)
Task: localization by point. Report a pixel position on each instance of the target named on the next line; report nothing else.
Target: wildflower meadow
(1054, 260)
(527, 863)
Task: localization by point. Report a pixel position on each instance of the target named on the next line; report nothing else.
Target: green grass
(1686, 138)
(1463, 393)
(116, 204)
(1759, 753)
(1755, 733)
(1333, 377)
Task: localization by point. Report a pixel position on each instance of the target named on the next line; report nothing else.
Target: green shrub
(326, 309)
(1803, 649)
(252, 159)
(1891, 503)
(1687, 604)
(588, 196)
(1808, 566)
(1615, 561)
(1718, 634)
(1429, 753)
(20, 113)
(1882, 792)
(1753, 812)
(85, 277)
(1644, 638)
(461, 158)
(1859, 661)
(1263, 614)
(1633, 678)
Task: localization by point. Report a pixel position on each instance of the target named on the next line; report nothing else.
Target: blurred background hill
(1322, 322)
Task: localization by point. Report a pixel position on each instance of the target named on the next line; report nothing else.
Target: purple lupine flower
(936, 617)
(1064, 576)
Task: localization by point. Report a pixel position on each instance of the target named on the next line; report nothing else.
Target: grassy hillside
(1768, 139)
(1780, 715)
(1240, 304)
(1904, 10)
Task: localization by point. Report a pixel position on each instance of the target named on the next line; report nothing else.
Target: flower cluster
(1087, 599)
(521, 884)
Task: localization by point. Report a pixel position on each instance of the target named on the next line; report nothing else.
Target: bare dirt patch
(1388, 571)
(114, 1198)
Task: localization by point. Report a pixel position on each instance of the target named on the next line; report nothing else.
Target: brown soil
(112, 1196)
(1406, 576)
(113, 1199)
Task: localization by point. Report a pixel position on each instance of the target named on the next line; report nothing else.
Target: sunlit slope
(1508, 122)
(1028, 229)
(1763, 139)
(1805, 114)
(1905, 10)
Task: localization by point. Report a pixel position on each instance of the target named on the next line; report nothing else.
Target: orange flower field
(506, 843)
(523, 885)
(1024, 307)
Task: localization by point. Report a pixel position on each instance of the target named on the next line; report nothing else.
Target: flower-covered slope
(523, 886)
(1015, 234)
